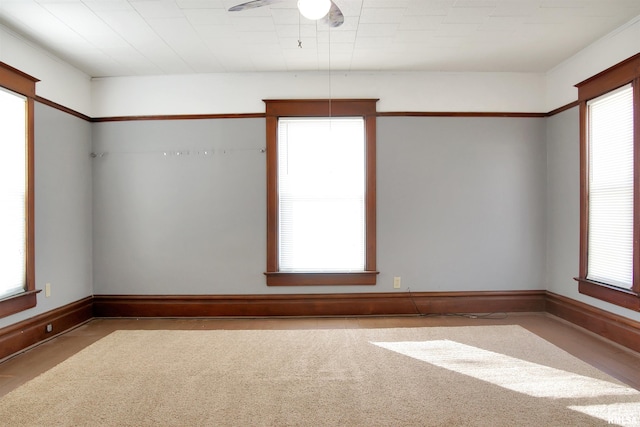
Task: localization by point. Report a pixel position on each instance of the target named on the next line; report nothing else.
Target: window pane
(321, 187)
(610, 237)
(12, 193)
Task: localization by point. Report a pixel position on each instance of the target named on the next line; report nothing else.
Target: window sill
(611, 294)
(17, 303)
(277, 278)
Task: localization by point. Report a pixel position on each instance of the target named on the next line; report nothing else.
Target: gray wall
(63, 211)
(179, 224)
(563, 202)
(461, 205)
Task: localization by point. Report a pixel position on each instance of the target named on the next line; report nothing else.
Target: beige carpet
(436, 376)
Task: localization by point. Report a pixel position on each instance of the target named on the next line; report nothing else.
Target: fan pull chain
(329, 70)
(299, 33)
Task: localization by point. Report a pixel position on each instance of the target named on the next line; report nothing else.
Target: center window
(321, 192)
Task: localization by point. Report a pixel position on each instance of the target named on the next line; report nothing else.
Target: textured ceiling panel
(139, 37)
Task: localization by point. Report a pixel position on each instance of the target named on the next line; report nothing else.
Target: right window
(610, 189)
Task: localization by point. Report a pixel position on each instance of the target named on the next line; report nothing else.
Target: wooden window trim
(627, 71)
(365, 108)
(25, 85)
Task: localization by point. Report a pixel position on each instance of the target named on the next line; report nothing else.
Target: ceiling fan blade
(252, 5)
(334, 18)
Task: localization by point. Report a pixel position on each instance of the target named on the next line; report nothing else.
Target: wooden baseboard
(22, 335)
(479, 302)
(359, 304)
(616, 328)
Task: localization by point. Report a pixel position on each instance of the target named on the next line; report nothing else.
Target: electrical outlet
(47, 290)
(49, 327)
(397, 283)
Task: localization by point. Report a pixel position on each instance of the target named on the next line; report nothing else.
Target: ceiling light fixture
(314, 9)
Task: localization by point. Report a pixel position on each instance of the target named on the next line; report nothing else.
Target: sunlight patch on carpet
(508, 372)
(621, 414)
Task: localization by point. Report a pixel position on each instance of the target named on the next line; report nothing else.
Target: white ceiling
(153, 37)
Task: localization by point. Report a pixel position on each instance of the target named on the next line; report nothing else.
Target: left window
(17, 271)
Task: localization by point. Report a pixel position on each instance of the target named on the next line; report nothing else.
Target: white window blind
(321, 194)
(610, 235)
(12, 193)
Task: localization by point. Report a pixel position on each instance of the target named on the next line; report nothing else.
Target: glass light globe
(314, 9)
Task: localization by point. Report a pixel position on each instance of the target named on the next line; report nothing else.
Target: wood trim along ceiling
(179, 117)
(458, 114)
(563, 108)
(62, 108)
(263, 115)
